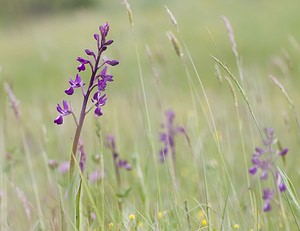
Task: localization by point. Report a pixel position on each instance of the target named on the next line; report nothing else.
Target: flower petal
(69, 91)
(98, 112)
(59, 120)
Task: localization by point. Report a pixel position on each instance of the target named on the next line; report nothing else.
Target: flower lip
(253, 170)
(69, 91)
(59, 120)
(267, 207)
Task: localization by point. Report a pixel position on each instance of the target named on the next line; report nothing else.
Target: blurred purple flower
(267, 196)
(167, 137)
(82, 160)
(124, 164)
(93, 216)
(264, 161)
(95, 176)
(52, 164)
(64, 167)
(110, 143)
(119, 163)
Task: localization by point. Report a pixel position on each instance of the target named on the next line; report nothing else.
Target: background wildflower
(64, 167)
(95, 176)
(264, 163)
(167, 137)
(131, 217)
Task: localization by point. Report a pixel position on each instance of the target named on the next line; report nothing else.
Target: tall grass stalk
(234, 48)
(242, 91)
(291, 194)
(288, 98)
(145, 100)
(83, 181)
(33, 181)
(192, 92)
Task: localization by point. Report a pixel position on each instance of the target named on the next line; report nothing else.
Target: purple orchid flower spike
(267, 197)
(264, 163)
(98, 81)
(167, 137)
(63, 112)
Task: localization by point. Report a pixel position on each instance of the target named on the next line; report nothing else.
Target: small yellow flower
(131, 217)
(204, 222)
(160, 215)
(110, 226)
(236, 226)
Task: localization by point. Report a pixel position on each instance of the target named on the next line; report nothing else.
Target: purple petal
(280, 183)
(163, 137)
(264, 175)
(112, 62)
(81, 67)
(282, 187)
(180, 129)
(59, 109)
(267, 194)
(64, 167)
(255, 161)
(253, 170)
(104, 30)
(89, 52)
(103, 72)
(283, 152)
(127, 166)
(96, 36)
(96, 96)
(102, 100)
(170, 116)
(95, 176)
(163, 153)
(259, 150)
(66, 107)
(59, 120)
(267, 207)
(121, 163)
(82, 60)
(109, 42)
(69, 91)
(77, 79)
(98, 112)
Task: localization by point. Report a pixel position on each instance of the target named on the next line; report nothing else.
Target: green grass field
(209, 186)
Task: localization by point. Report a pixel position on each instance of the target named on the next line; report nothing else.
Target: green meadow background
(39, 44)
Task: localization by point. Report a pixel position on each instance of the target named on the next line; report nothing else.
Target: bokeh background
(40, 41)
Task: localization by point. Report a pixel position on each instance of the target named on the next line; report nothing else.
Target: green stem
(78, 196)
